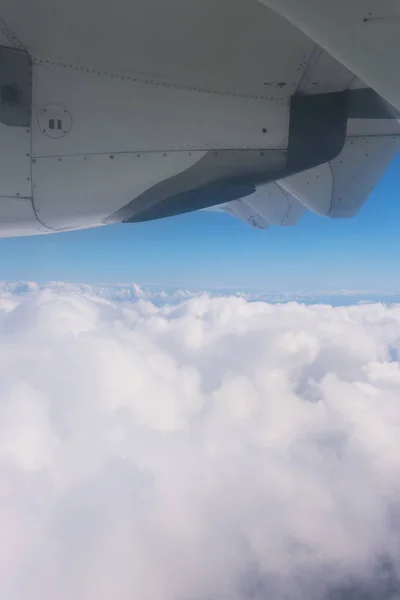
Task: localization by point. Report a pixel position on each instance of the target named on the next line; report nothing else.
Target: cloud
(160, 296)
(207, 448)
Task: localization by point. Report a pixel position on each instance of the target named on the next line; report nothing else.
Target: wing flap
(340, 187)
(268, 205)
(336, 189)
(357, 170)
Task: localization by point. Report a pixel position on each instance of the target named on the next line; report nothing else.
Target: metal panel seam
(33, 187)
(11, 37)
(157, 83)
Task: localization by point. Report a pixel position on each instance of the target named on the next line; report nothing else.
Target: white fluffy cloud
(213, 448)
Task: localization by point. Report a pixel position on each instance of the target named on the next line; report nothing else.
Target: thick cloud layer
(214, 448)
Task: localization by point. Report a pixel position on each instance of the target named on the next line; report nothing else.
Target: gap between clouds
(214, 448)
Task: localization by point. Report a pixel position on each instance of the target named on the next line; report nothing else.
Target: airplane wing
(156, 108)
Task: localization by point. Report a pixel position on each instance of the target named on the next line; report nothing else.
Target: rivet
(264, 130)
(111, 155)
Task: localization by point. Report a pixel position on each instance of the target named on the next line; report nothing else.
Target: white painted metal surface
(8, 37)
(226, 45)
(246, 213)
(361, 34)
(4, 41)
(325, 74)
(269, 205)
(313, 188)
(75, 192)
(115, 113)
(357, 170)
(15, 169)
(372, 127)
(275, 205)
(17, 218)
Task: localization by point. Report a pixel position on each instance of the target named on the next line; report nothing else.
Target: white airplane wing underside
(234, 46)
(226, 45)
(260, 108)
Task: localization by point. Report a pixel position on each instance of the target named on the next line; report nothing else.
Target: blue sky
(205, 250)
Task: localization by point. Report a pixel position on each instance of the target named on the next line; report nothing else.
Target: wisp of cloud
(208, 449)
